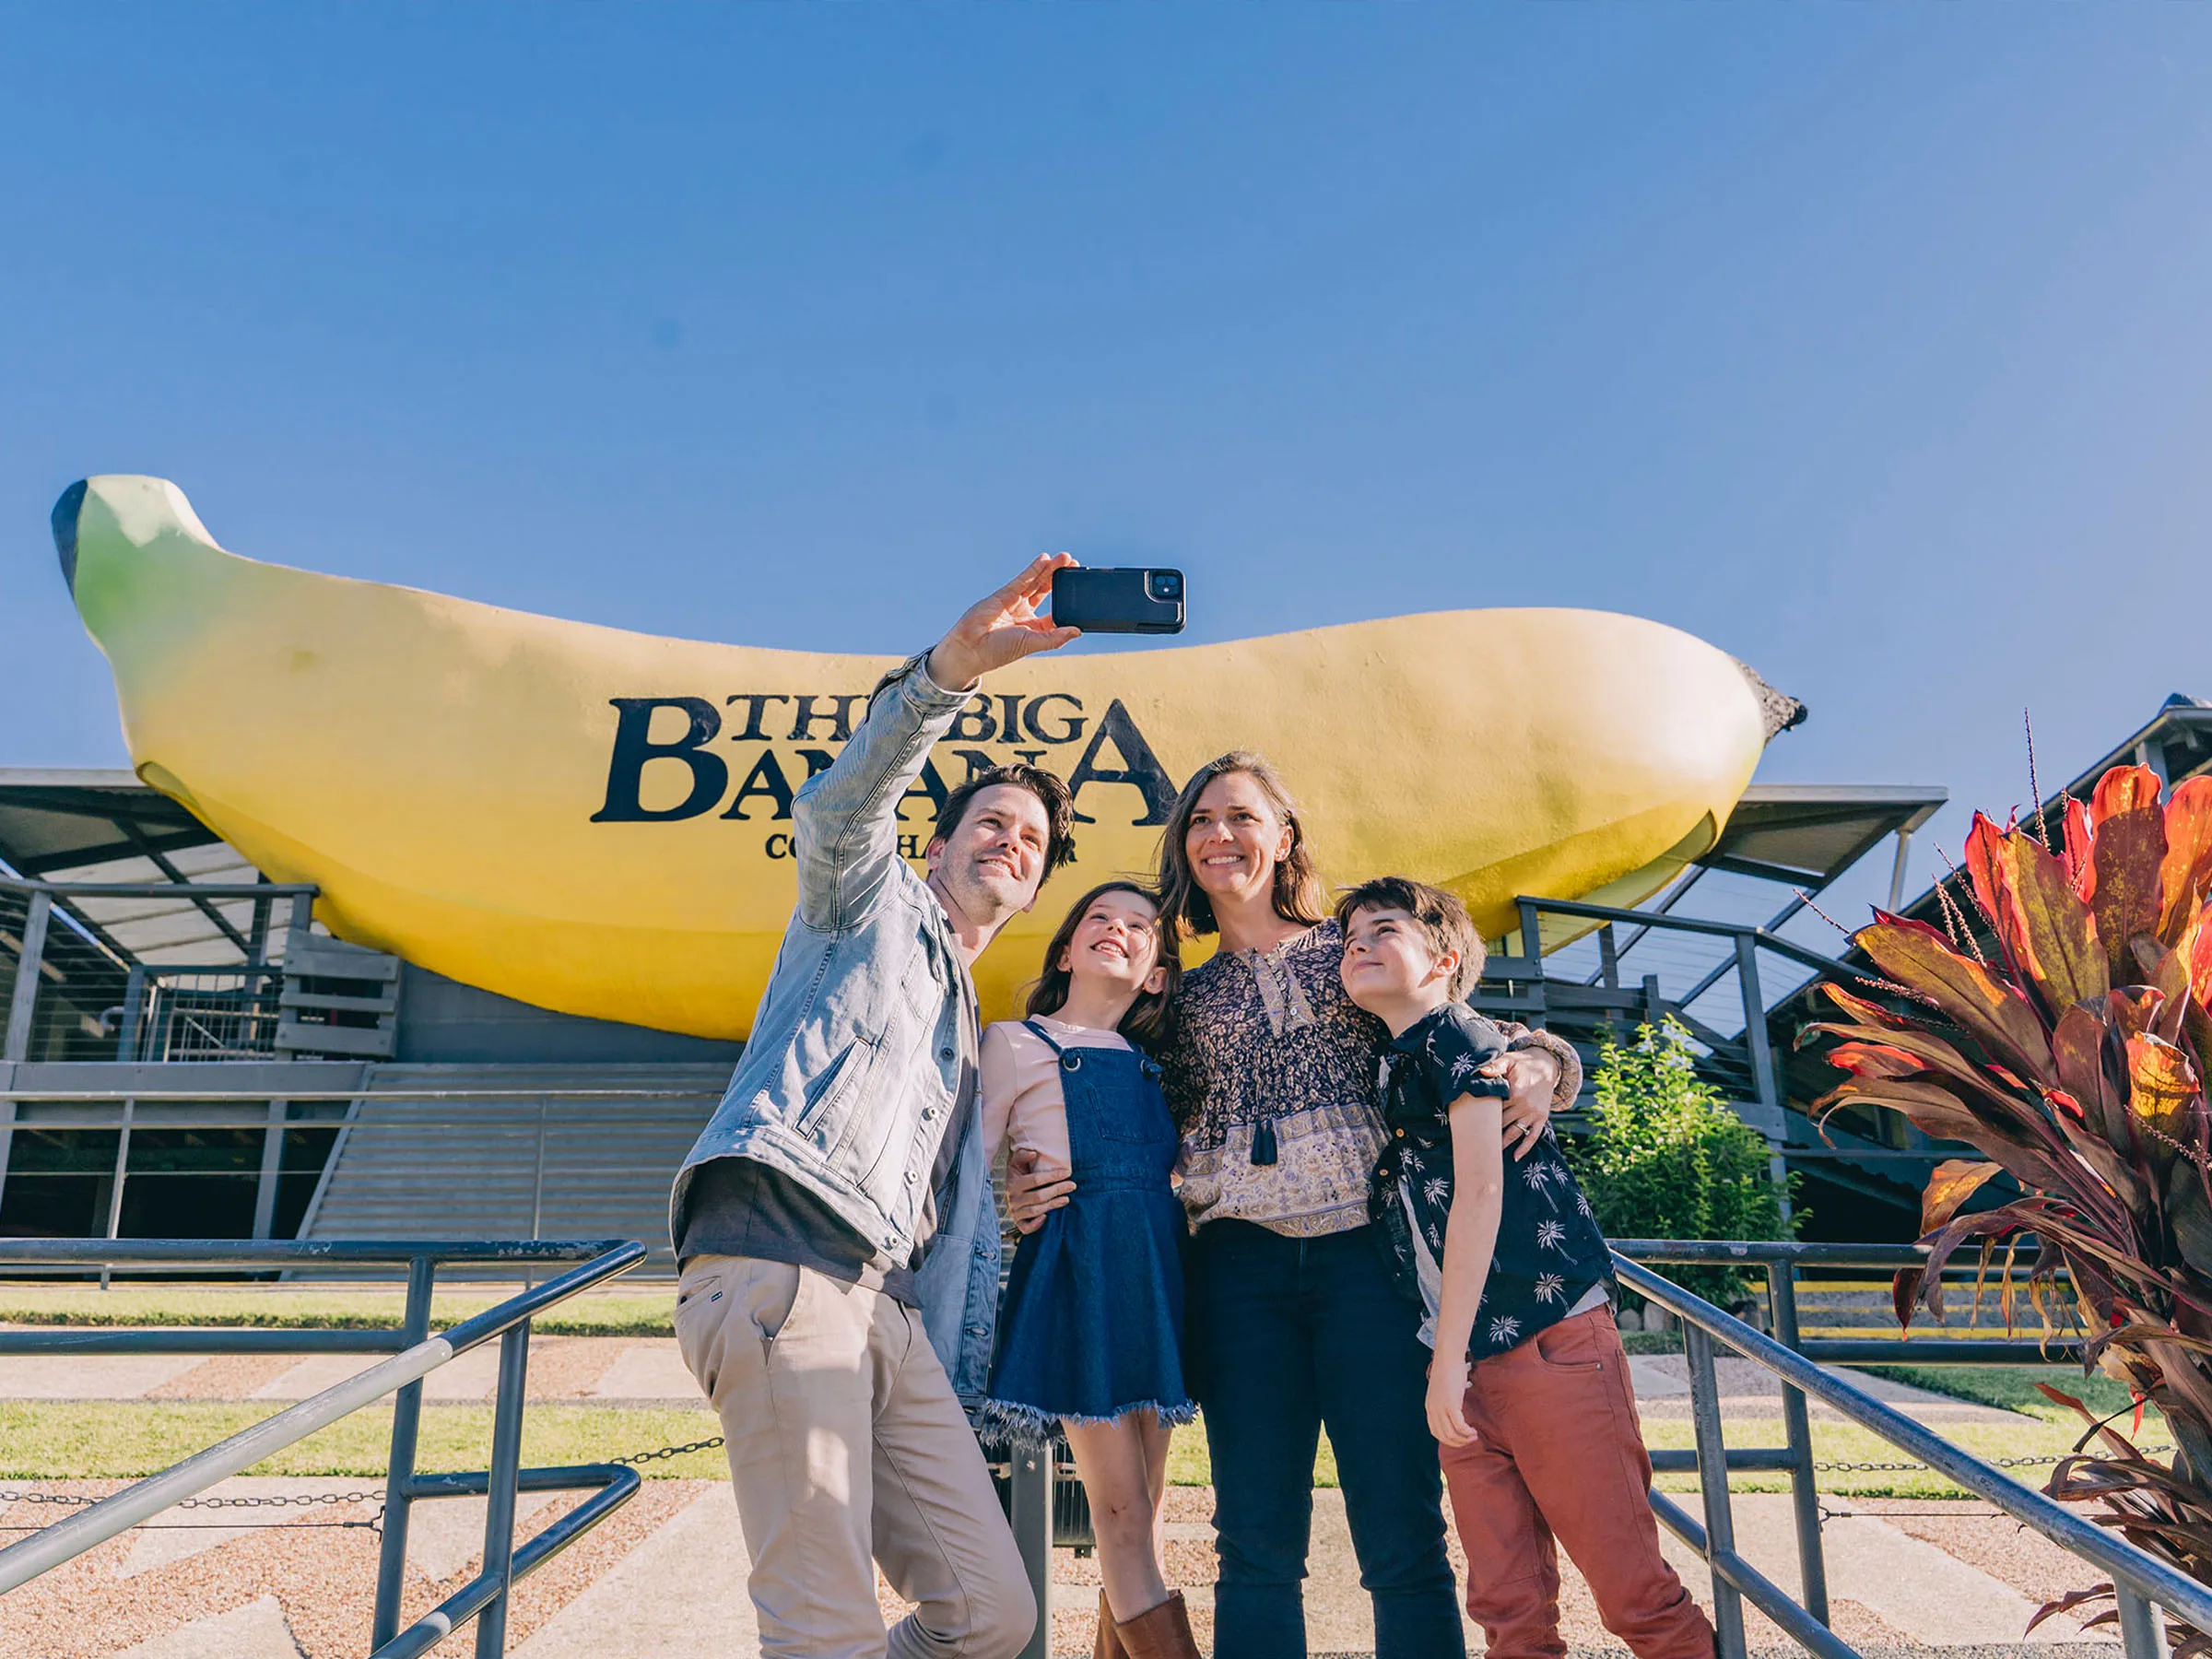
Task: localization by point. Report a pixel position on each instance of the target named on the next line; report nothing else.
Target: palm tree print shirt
(1549, 1256)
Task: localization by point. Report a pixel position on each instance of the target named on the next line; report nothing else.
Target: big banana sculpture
(599, 822)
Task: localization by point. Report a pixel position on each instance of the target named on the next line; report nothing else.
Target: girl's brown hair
(1299, 895)
(1148, 1021)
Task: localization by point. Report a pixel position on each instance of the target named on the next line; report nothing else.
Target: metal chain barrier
(272, 1500)
(374, 1523)
(1994, 1462)
(636, 1458)
(1953, 1513)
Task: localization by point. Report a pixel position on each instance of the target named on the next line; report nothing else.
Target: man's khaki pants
(848, 1448)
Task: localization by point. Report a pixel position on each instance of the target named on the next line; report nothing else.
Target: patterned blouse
(1274, 1077)
(1549, 1256)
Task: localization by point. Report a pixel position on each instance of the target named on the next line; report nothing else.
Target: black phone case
(1117, 601)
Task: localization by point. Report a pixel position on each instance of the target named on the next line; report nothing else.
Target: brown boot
(1162, 1632)
(1109, 1645)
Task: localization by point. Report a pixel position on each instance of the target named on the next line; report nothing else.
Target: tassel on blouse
(1263, 1142)
(1282, 1000)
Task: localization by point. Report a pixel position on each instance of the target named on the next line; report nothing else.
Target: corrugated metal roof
(71, 824)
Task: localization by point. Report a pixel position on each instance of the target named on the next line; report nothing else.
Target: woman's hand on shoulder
(1531, 1074)
(1035, 1187)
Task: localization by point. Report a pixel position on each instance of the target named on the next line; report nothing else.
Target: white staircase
(509, 1152)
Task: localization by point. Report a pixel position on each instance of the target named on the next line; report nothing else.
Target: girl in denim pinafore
(1091, 1328)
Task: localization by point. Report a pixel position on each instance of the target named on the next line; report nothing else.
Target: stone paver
(88, 1376)
(678, 1593)
(447, 1534)
(649, 1370)
(470, 1377)
(1929, 1596)
(256, 1631)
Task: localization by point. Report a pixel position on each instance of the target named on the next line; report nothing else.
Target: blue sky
(1872, 344)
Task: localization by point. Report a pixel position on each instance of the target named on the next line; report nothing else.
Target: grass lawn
(65, 1440)
(618, 1311)
(2012, 1387)
(123, 1439)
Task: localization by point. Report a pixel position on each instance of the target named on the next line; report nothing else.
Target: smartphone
(1118, 601)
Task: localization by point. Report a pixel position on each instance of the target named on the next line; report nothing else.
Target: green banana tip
(65, 531)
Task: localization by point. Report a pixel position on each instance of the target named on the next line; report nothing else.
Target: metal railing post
(498, 1507)
(116, 1182)
(299, 923)
(537, 1173)
(1032, 1477)
(2142, 1630)
(272, 1171)
(25, 1000)
(1713, 1486)
(406, 1418)
(1805, 1496)
(133, 1000)
(1759, 1052)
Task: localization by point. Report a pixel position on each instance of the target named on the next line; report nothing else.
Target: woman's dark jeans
(1285, 1336)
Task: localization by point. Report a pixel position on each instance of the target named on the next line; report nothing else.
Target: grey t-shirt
(742, 1208)
(735, 1207)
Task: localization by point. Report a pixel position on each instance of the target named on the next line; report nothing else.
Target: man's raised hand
(1001, 629)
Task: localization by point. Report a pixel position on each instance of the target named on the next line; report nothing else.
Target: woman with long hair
(1294, 1320)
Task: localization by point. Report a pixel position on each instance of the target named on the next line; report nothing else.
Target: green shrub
(1666, 1158)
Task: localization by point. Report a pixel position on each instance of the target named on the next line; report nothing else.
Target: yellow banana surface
(598, 822)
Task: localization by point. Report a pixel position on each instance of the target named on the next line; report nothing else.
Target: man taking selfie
(835, 1236)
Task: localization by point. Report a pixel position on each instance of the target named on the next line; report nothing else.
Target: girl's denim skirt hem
(1029, 1428)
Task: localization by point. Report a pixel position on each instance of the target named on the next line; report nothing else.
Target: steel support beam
(24, 1003)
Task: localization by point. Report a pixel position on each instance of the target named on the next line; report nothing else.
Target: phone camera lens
(1166, 584)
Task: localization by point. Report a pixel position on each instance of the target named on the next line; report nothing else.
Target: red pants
(1559, 1453)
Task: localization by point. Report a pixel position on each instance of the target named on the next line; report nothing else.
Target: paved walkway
(1748, 1389)
(663, 1579)
(648, 1370)
(675, 1593)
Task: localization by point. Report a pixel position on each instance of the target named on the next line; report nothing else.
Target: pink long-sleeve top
(1020, 1084)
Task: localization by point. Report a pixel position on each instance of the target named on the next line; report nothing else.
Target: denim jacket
(866, 1041)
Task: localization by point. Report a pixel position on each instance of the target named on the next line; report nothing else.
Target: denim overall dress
(1091, 1326)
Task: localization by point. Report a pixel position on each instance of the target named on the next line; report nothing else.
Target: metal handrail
(1802, 955)
(1781, 1258)
(483, 1597)
(189, 891)
(2141, 1579)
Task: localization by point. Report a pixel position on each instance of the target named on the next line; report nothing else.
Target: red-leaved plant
(2072, 1055)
